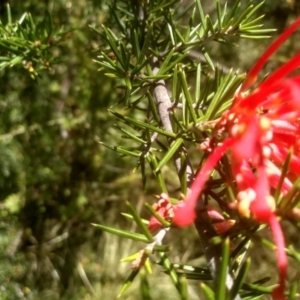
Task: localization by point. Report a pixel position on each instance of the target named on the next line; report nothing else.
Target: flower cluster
(262, 129)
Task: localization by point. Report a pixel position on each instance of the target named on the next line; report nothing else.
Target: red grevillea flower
(262, 126)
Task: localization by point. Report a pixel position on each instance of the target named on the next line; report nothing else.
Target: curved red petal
(246, 146)
(281, 72)
(260, 207)
(278, 293)
(184, 213)
(251, 78)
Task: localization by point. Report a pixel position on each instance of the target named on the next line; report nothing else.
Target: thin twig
(164, 106)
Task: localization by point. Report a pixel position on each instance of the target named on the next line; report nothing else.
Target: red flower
(262, 127)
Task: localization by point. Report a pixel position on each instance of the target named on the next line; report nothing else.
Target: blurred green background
(56, 179)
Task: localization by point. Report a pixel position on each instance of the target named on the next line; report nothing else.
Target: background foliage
(55, 178)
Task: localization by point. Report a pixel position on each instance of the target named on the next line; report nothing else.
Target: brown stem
(164, 106)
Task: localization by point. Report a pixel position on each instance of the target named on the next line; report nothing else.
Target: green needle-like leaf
(193, 273)
(174, 147)
(145, 46)
(252, 296)
(207, 291)
(294, 287)
(242, 247)
(239, 280)
(121, 150)
(128, 282)
(210, 26)
(136, 44)
(157, 215)
(187, 96)
(255, 37)
(284, 171)
(183, 288)
(253, 22)
(171, 271)
(111, 39)
(171, 34)
(8, 11)
(158, 77)
(143, 125)
(16, 61)
(201, 14)
(123, 233)
(131, 257)
(293, 253)
(131, 135)
(153, 164)
(183, 175)
(222, 94)
(175, 86)
(170, 66)
(166, 62)
(130, 217)
(32, 26)
(219, 14)
(178, 126)
(253, 10)
(289, 198)
(153, 107)
(198, 84)
(258, 288)
(243, 15)
(207, 57)
(178, 34)
(162, 248)
(223, 271)
(145, 287)
(139, 222)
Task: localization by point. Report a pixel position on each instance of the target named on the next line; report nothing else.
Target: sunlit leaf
(123, 233)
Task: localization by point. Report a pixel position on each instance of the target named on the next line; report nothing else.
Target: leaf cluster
(26, 42)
